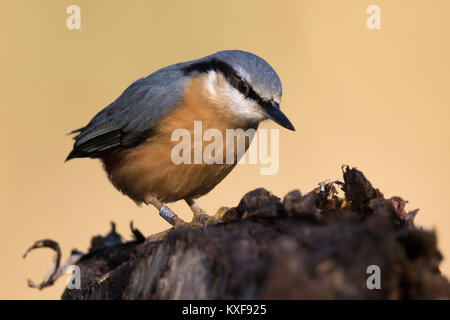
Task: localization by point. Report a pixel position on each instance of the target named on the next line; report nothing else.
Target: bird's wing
(128, 120)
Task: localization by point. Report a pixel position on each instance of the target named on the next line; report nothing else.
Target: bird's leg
(196, 210)
(200, 216)
(164, 211)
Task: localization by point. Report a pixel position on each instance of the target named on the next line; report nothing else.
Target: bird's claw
(203, 220)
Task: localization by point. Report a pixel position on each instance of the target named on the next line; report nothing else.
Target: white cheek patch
(221, 91)
(244, 107)
(211, 83)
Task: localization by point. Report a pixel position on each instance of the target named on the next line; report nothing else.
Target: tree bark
(312, 246)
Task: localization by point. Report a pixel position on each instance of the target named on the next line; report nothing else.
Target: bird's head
(244, 83)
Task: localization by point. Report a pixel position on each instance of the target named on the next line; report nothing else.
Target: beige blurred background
(378, 100)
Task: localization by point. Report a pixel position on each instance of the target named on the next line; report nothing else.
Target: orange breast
(149, 169)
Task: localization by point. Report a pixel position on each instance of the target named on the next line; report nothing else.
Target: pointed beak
(276, 115)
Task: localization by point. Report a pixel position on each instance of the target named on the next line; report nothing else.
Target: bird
(132, 136)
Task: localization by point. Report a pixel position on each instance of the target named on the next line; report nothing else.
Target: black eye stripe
(232, 77)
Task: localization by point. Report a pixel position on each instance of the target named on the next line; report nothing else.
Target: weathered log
(313, 246)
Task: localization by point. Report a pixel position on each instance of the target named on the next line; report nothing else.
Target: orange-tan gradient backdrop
(378, 100)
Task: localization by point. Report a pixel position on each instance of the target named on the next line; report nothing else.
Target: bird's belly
(149, 168)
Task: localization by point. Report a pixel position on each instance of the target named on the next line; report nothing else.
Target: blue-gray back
(129, 119)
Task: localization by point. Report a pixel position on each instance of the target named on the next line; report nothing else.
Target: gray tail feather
(73, 153)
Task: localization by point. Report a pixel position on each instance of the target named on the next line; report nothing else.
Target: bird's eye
(243, 87)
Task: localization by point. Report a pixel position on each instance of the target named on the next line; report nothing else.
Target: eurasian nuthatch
(132, 136)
